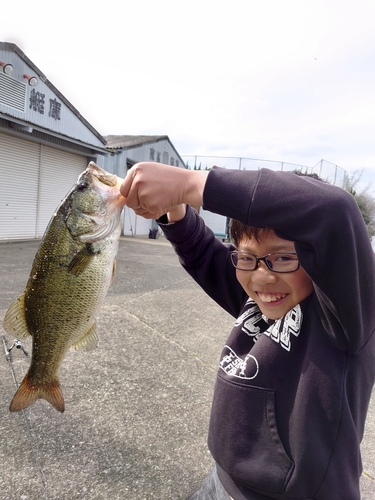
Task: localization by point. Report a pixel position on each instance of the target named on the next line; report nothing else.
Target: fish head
(94, 205)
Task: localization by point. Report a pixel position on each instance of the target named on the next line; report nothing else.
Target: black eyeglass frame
(264, 259)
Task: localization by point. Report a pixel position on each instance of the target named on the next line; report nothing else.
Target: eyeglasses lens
(277, 262)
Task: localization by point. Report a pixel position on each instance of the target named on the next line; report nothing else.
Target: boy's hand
(153, 189)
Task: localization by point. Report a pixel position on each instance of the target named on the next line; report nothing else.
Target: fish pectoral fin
(15, 319)
(28, 392)
(88, 341)
(83, 258)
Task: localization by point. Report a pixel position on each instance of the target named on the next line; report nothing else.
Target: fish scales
(70, 277)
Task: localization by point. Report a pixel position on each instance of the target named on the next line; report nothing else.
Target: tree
(364, 199)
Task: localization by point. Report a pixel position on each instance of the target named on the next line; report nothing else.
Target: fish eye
(82, 185)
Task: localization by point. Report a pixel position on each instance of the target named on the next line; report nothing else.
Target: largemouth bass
(70, 276)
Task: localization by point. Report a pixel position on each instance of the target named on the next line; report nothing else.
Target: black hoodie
(291, 396)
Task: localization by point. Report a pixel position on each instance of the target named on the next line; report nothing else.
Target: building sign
(37, 102)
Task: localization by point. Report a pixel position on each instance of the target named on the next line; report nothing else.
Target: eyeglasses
(276, 262)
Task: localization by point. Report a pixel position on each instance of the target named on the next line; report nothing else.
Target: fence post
(334, 180)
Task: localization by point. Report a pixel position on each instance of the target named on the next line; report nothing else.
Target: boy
(295, 377)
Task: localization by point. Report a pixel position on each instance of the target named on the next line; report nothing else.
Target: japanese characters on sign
(54, 109)
(37, 102)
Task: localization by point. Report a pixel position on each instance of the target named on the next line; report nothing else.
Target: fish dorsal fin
(15, 320)
(80, 261)
(88, 341)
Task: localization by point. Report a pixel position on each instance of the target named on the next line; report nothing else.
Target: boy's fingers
(127, 183)
(129, 191)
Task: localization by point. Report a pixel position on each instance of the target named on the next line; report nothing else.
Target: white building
(44, 145)
(125, 151)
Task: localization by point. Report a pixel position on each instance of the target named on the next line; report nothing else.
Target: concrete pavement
(137, 408)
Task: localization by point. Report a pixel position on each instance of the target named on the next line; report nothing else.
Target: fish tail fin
(28, 392)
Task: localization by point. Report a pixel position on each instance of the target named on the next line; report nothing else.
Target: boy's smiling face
(275, 293)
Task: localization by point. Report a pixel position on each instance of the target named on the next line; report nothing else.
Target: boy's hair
(239, 231)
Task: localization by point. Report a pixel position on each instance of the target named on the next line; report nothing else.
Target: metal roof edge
(151, 139)
(66, 138)
(14, 48)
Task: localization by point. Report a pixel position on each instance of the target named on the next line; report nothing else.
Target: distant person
(296, 374)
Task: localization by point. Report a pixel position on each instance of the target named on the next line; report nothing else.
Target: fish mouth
(101, 175)
(108, 186)
(102, 178)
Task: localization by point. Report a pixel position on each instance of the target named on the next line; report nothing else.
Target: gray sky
(286, 80)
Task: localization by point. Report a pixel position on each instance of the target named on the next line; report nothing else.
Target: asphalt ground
(136, 408)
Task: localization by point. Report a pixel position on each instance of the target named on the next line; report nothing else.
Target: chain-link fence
(324, 169)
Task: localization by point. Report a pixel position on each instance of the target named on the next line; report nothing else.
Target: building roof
(130, 141)
(14, 48)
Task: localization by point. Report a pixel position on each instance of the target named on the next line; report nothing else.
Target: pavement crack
(172, 341)
(156, 290)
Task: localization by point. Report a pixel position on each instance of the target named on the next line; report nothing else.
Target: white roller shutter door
(19, 174)
(33, 180)
(59, 171)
